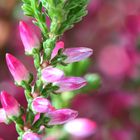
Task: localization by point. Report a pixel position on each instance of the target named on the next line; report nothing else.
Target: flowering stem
(47, 55)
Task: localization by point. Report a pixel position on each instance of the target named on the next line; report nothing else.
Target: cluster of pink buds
(57, 77)
(57, 116)
(50, 76)
(64, 83)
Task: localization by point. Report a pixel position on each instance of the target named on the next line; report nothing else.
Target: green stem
(19, 126)
(38, 123)
(48, 47)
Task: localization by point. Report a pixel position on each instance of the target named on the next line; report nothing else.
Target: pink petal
(31, 136)
(81, 127)
(59, 45)
(50, 74)
(41, 105)
(28, 37)
(70, 83)
(61, 116)
(77, 54)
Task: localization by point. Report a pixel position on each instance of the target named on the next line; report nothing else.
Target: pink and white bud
(29, 39)
(77, 54)
(59, 45)
(81, 127)
(10, 104)
(50, 74)
(73, 54)
(41, 105)
(17, 69)
(3, 117)
(61, 116)
(31, 136)
(70, 83)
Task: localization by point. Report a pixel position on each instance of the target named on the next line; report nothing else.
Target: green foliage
(26, 7)
(75, 10)
(64, 14)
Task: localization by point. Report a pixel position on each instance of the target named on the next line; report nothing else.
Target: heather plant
(58, 78)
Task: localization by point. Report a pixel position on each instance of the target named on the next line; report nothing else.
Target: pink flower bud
(41, 105)
(77, 54)
(70, 83)
(81, 127)
(31, 136)
(61, 116)
(59, 45)
(28, 37)
(9, 104)
(3, 117)
(50, 74)
(17, 69)
(73, 54)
